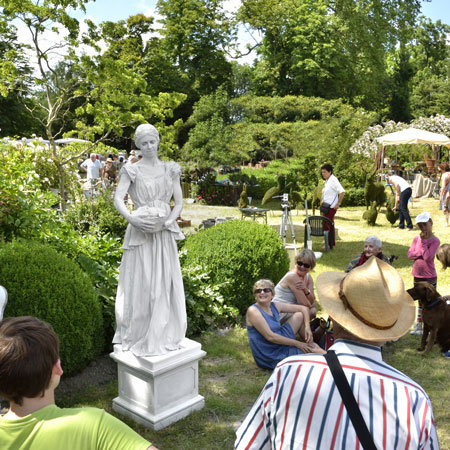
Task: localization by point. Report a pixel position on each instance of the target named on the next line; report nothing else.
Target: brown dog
(435, 316)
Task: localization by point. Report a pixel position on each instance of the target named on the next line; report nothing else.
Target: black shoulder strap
(349, 401)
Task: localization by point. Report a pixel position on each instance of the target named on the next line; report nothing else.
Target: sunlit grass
(228, 377)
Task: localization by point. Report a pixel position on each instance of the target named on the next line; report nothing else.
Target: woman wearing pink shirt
(423, 250)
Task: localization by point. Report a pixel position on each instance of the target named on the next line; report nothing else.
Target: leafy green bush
(237, 253)
(43, 283)
(205, 305)
(98, 212)
(25, 206)
(354, 197)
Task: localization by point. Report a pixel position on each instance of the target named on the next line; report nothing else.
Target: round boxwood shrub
(237, 253)
(46, 284)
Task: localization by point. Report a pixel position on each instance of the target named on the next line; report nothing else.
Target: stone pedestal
(158, 390)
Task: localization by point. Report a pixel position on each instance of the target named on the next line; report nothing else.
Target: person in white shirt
(403, 193)
(332, 194)
(92, 166)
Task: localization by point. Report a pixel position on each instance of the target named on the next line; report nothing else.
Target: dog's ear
(430, 293)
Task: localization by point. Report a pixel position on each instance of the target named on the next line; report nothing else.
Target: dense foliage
(237, 253)
(206, 307)
(46, 284)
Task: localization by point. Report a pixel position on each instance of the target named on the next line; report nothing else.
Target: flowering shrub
(367, 146)
(209, 192)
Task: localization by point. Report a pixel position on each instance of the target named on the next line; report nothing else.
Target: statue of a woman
(150, 303)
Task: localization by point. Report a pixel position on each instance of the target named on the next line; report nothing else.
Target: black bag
(325, 208)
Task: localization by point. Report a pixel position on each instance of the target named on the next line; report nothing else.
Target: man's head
(93, 157)
(29, 350)
(370, 301)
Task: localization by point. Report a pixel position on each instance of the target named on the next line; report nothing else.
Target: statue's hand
(148, 225)
(168, 223)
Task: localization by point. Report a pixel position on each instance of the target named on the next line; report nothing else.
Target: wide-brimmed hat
(370, 302)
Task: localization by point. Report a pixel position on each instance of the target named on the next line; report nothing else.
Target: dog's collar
(433, 304)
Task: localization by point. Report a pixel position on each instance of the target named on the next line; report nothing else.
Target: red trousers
(330, 215)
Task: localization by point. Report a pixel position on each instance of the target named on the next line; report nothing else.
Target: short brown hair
(308, 257)
(29, 348)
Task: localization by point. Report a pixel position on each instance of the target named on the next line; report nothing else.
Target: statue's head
(144, 130)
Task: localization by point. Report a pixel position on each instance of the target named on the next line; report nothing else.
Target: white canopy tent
(414, 136)
(409, 136)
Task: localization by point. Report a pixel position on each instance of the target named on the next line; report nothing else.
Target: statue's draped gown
(150, 303)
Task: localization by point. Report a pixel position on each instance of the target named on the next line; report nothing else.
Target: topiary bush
(237, 253)
(45, 284)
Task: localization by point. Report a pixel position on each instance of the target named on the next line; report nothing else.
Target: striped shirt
(301, 408)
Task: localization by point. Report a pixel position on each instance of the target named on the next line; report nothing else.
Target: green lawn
(229, 379)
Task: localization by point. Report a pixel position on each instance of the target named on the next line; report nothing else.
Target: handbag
(350, 404)
(325, 207)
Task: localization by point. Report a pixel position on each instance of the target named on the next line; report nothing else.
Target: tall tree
(327, 48)
(197, 34)
(109, 94)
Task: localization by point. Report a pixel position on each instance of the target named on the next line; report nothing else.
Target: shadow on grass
(344, 252)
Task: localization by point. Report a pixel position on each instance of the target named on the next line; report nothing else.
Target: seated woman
(372, 247)
(270, 342)
(297, 286)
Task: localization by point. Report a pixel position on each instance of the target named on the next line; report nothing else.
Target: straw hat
(370, 301)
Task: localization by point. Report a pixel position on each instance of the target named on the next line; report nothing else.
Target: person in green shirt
(30, 370)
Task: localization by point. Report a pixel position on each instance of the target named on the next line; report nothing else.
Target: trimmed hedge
(45, 284)
(236, 254)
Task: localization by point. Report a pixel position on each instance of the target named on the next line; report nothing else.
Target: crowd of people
(294, 407)
(316, 397)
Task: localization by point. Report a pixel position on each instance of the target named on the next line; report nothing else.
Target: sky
(114, 10)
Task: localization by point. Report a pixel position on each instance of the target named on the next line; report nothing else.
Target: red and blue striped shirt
(301, 408)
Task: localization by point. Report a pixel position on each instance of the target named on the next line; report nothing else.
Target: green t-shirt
(53, 428)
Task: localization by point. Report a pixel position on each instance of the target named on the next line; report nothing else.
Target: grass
(229, 379)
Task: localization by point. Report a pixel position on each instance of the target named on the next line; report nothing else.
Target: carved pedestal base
(159, 390)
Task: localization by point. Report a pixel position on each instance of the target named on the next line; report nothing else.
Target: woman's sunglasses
(302, 264)
(266, 290)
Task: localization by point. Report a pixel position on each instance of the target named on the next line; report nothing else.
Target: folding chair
(317, 228)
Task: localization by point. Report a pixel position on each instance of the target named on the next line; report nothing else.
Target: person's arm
(429, 249)
(254, 433)
(255, 319)
(415, 251)
(304, 293)
(397, 195)
(290, 308)
(340, 197)
(83, 166)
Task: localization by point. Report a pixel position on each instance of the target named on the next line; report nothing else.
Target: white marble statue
(150, 303)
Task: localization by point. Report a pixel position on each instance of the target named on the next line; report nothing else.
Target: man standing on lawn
(300, 406)
(403, 193)
(30, 370)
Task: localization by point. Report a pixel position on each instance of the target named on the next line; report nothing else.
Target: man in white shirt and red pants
(332, 194)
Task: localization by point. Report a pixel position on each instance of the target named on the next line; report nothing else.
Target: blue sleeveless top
(268, 354)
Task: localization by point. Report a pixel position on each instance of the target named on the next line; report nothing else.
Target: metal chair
(317, 228)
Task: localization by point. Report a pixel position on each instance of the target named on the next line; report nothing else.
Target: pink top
(423, 252)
